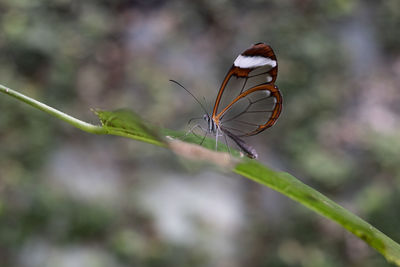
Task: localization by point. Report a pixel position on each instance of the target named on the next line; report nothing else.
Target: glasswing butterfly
(248, 101)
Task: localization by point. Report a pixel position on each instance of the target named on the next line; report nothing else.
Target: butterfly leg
(227, 145)
(191, 131)
(216, 140)
(192, 119)
(204, 130)
(204, 137)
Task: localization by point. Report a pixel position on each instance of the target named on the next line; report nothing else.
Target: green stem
(127, 124)
(87, 127)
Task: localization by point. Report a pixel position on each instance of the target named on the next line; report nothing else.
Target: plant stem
(87, 127)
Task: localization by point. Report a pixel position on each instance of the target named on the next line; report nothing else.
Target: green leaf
(124, 122)
(128, 124)
(309, 197)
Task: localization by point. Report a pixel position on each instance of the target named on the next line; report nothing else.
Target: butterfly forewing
(234, 88)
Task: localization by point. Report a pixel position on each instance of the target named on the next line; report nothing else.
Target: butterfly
(248, 101)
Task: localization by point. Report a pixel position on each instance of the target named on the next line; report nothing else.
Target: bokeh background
(68, 198)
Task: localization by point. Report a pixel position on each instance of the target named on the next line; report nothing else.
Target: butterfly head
(211, 125)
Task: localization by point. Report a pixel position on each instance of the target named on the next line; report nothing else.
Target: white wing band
(246, 62)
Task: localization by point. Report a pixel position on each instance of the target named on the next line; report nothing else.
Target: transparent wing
(255, 66)
(253, 111)
(248, 101)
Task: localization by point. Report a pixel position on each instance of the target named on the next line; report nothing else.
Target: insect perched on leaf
(248, 101)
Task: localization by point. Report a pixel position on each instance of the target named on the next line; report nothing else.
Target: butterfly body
(211, 125)
(216, 128)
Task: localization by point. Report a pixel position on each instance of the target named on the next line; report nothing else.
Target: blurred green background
(68, 198)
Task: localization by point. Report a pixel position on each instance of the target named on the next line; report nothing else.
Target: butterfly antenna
(206, 103)
(191, 95)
